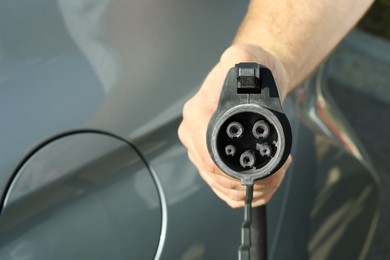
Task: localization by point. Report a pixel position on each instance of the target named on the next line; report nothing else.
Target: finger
(216, 189)
(228, 182)
(186, 137)
(231, 203)
(258, 199)
(204, 175)
(235, 197)
(275, 179)
(263, 189)
(195, 137)
(198, 158)
(259, 202)
(239, 195)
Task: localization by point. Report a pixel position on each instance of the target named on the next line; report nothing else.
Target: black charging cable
(259, 252)
(245, 247)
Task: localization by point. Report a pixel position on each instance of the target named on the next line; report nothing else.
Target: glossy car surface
(91, 94)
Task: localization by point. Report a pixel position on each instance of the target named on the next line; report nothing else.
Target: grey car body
(91, 94)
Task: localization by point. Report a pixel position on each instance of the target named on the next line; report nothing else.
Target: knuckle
(226, 182)
(180, 132)
(187, 109)
(183, 137)
(259, 202)
(266, 199)
(231, 184)
(236, 195)
(235, 204)
(208, 164)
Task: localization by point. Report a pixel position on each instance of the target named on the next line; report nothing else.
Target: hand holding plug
(198, 112)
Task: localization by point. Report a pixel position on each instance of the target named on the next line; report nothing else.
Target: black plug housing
(249, 137)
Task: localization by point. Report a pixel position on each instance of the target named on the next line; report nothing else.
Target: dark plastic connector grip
(249, 136)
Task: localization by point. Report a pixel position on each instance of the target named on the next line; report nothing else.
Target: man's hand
(196, 116)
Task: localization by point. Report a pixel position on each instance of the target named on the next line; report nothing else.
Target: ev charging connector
(249, 137)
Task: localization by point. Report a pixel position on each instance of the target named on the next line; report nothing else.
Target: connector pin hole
(264, 149)
(234, 130)
(247, 159)
(260, 129)
(230, 150)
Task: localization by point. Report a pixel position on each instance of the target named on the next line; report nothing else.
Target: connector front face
(247, 142)
(252, 138)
